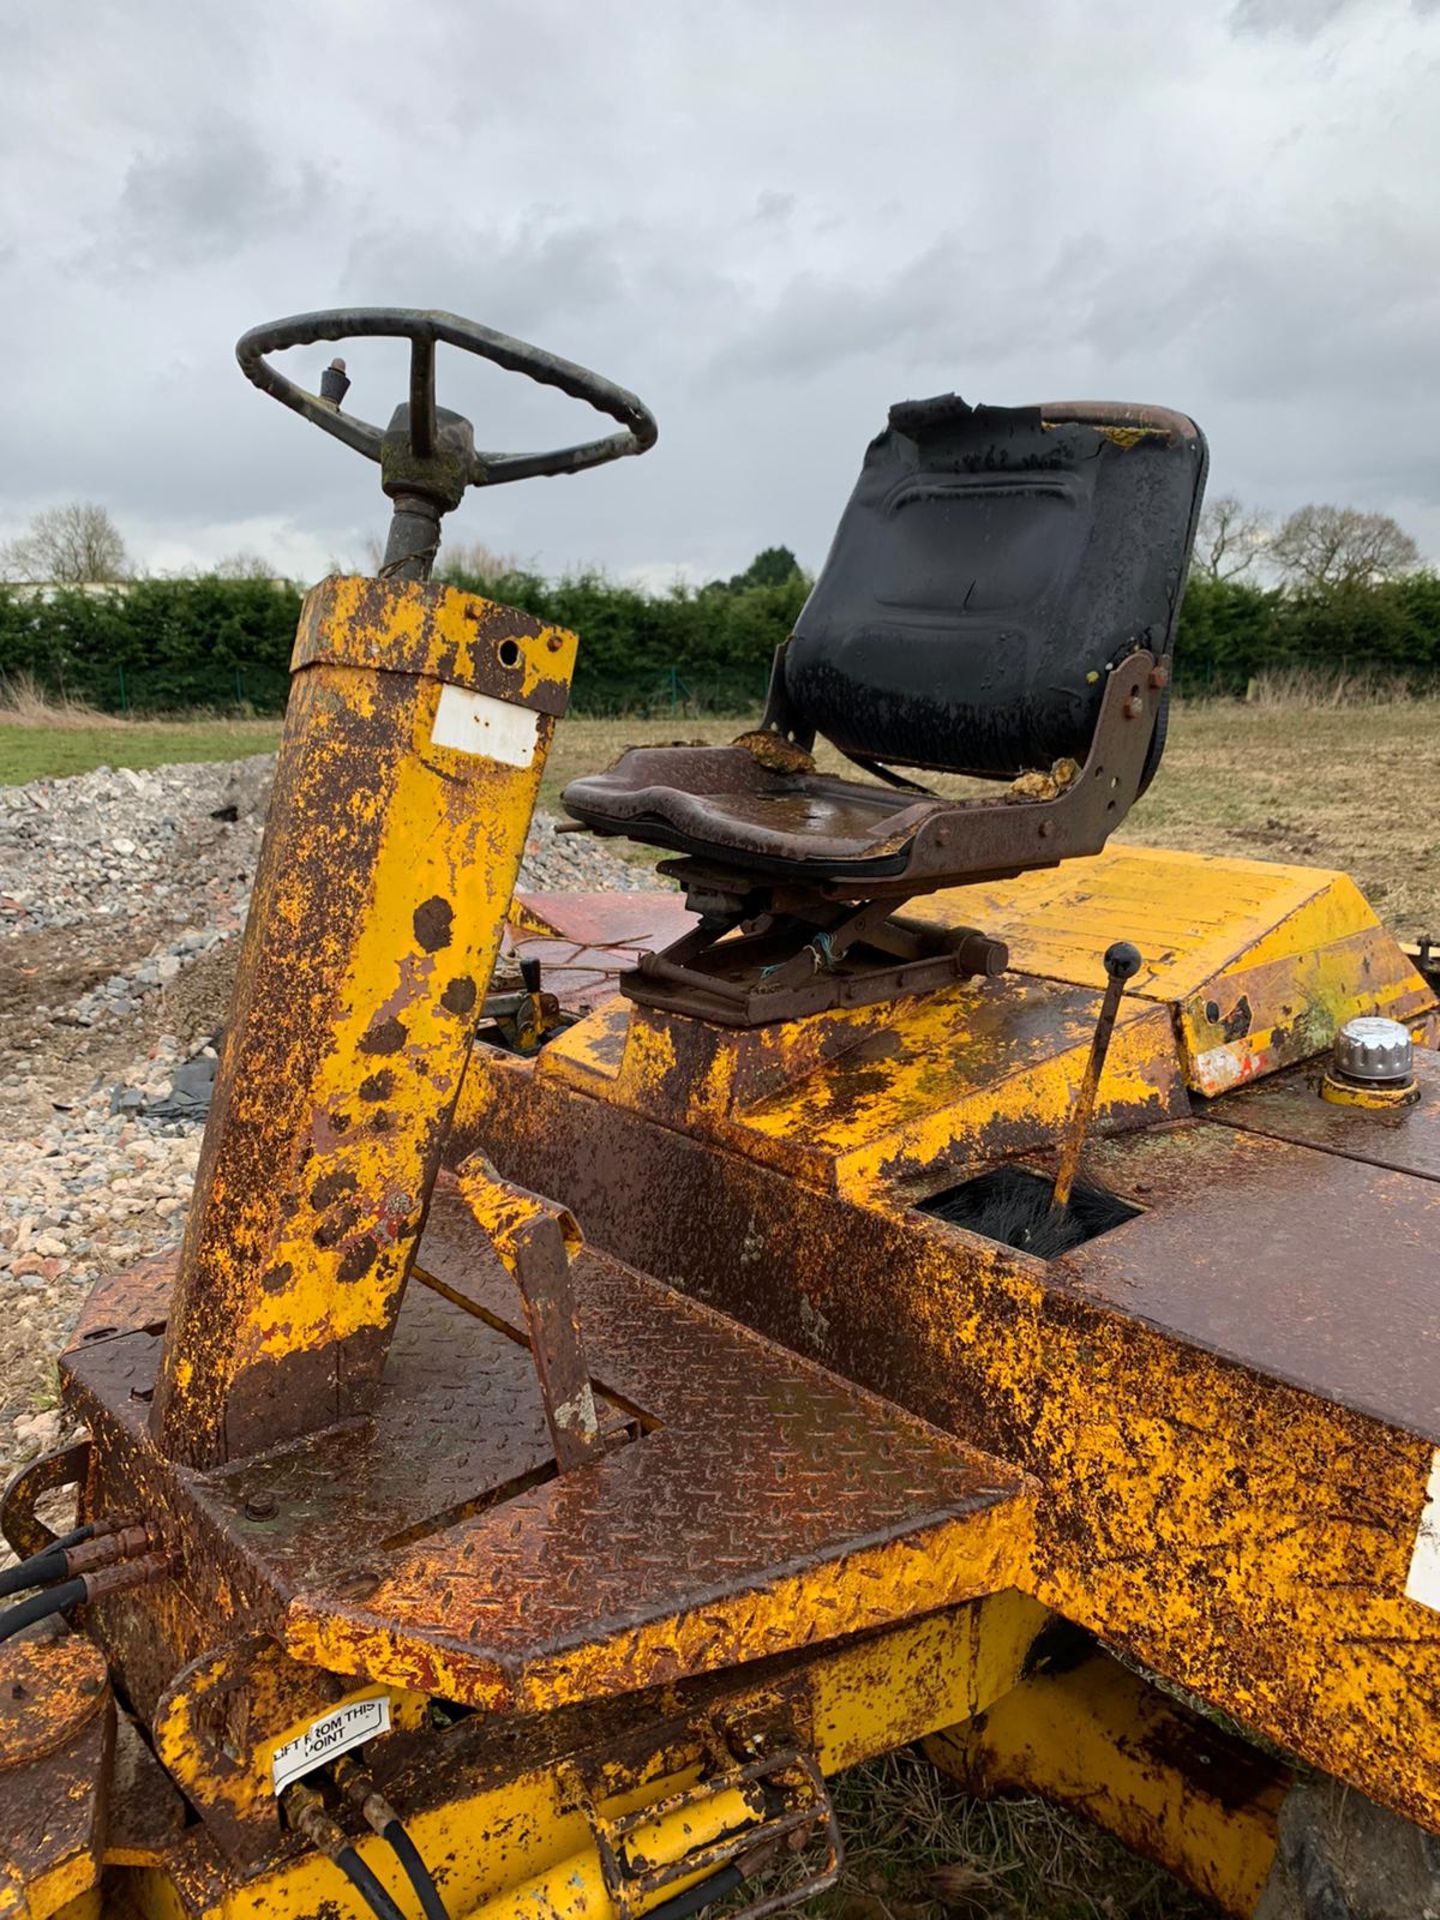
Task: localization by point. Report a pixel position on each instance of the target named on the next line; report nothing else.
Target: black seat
(997, 574)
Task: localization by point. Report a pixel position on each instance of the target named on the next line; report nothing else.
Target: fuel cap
(1374, 1051)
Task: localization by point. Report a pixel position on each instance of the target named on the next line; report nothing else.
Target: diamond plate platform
(751, 1502)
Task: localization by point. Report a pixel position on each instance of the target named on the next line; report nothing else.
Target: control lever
(1122, 963)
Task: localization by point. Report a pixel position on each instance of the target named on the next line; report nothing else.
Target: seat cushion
(721, 803)
(990, 567)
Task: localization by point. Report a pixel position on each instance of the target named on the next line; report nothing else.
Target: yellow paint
(856, 1101)
(1248, 968)
(474, 861)
(502, 1211)
(383, 887)
(1375, 1099)
(66, 1891)
(1237, 1534)
(522, 1846)
(264, 1700)
(427, 628)
(1300, 945)
(1102, 1741)
(959, 1558)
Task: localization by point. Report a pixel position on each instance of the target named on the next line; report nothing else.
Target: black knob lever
(1122, 963)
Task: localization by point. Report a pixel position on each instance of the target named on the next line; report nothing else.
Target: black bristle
(1014, 1206)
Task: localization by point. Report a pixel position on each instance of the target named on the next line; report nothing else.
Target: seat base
(727, 807)
(796, 953)
(723, 802)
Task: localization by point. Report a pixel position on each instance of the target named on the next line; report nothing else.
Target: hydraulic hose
(84, 1551)
(366, 1885)
(80, 1590)
(38, 1568)
(70, 1593)
(395, 1834)
(358, 1785)
(306, 1813)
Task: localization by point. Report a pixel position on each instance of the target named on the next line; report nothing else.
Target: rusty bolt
(92, 1685)
(1159, 675)
(1134, 707)
(555, 643)
(261, 1506)
(1047, 827)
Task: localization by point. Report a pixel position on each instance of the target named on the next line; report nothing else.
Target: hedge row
(165, 645)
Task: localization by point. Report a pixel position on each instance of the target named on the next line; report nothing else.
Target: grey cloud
(769, 220)
(1303, 19)
(217, 192)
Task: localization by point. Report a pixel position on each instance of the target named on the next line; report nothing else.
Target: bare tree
(475, 561)
(1328, 547)
(1231, 537)
(243, 566)
(70, 545)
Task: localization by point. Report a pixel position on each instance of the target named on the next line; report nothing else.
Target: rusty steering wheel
(423, 328)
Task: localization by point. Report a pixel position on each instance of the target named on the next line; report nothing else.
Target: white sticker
(1424, 1581)
(479, 723)
(326, 1739)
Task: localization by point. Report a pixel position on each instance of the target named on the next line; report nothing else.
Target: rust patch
(357, 1261)
(388, 1036)
(459, 995)
(332, 1187)
(1236, 1023)
(433, 924)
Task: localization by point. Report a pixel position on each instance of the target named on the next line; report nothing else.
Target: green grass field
(1317, 784)
(37, 750)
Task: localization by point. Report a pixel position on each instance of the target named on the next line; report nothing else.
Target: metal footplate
(743, 1820)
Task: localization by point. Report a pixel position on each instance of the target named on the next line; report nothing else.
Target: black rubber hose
(416, 1871)
(48, 1564)
(366, 1885)
(714, 1887)
(70, 1593)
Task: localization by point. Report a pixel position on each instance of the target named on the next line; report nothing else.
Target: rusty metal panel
(1190, 914)
(1086, 1732)
(767, 1505)
(57, 1730)
(1267, 1012)
(584, 942)
(1245, 1538)
(1303, 1267)
(387, 868)
(858, 1100)
(1289, 1107)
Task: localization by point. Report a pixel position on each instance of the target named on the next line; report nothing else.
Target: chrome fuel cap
(1374, 1051)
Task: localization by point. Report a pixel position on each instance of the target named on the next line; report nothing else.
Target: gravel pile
(121, 898)
(167, 843)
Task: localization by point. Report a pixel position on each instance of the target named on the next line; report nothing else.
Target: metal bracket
(783, 952)
(790, 1804)
(537, 1240)
(24, 1531)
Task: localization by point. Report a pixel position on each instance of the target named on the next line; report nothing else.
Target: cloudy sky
(770, 218)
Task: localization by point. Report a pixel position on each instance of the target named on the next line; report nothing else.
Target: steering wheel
(423, 328)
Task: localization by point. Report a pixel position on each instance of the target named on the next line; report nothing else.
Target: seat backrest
(990, 567)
